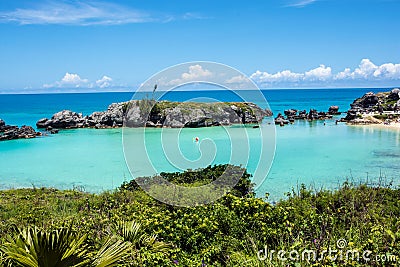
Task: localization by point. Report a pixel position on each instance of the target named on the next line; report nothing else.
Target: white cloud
(322, 73)
(73, 80)
(84, 13)
(282, 76)
(191, 15)
(104, 82)
(301, 3)
(343, 74)
(236, 79)
(70, 80)
(365, 73)
(367, 70)
(196, 73)
(388, 71)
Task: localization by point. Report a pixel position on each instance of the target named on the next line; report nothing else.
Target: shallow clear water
(85, 157)
(325, 156)
(306, 152)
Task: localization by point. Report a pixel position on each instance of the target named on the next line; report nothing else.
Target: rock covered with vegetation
(149, 113)
(191, 114)
(374, 108)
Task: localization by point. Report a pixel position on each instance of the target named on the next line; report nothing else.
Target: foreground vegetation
(126, 227)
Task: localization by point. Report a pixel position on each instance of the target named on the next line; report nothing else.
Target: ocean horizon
(51, 91)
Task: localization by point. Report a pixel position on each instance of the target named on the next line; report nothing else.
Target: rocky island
(149, 113)
(371, 108)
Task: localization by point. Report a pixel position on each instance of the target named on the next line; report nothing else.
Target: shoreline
(393, 126)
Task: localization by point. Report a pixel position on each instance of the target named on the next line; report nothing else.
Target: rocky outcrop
(394, 94)
(140, 113)
(334, 110)
(67, 119)
(112, 117)
(8, 132)
(368, 101)
(64, 119)
(293, 114)
(190, 114)
(374, 108)
(280, 120)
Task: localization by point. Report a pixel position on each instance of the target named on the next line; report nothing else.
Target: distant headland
(380, 108)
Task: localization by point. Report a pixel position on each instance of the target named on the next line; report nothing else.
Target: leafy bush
(381, 117)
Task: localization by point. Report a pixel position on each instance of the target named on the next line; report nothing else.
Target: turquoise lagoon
(322, 156)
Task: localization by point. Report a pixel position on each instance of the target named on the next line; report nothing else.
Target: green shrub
(381, 117)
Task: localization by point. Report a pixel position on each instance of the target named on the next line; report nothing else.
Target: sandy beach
(393, 125)
(367, 119)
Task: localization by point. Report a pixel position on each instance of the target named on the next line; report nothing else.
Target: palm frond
(133, 232)
(130, 231)
(32, 247)
(111, 253)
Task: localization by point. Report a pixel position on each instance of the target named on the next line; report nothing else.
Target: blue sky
(57, 46)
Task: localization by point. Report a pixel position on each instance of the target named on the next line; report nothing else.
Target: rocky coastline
(380, 108)
(149, 113)
(371, 108)
(10, 132)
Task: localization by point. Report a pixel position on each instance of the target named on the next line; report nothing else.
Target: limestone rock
(141, 113)
(8, 132)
